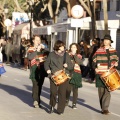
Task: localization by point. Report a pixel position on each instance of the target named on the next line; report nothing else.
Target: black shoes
(59, 113)
(51, 110)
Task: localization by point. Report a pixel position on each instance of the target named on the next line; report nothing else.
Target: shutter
(118, 45)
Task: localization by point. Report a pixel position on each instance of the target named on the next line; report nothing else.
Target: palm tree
(105, 16)
(90, 8)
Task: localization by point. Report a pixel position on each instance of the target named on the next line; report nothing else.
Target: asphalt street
(16, 100)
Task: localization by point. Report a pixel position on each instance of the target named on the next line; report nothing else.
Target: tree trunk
(18, 6)
(86, 7)
(91, 11)
(93, 18)
(105, 16)
(68, 7)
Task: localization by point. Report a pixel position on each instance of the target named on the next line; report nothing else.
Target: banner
(18, 18)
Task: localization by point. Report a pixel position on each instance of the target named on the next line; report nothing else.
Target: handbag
(2, 69)
(85, 62)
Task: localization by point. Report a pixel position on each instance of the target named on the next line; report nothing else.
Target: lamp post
(30, 2)
(6, 12)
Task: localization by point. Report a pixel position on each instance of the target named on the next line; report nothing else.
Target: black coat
(55, 63)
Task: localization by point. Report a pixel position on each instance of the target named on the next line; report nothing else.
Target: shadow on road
(79, 100)
(26, 96)
(23, 95)
(45, 93)
(83, 103)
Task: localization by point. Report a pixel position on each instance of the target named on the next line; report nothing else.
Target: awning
(43, 30)
(18, 29)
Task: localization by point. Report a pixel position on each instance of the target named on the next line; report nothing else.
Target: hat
(98, 39)
(108, 37)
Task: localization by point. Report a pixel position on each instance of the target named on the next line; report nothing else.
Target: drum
(111, 79)
(60, 77)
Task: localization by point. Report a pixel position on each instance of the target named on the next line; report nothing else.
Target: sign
(77, 11)
(18, 18)
(76, 23)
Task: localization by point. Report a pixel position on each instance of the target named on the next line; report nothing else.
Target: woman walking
(76, 79)
(36, 55)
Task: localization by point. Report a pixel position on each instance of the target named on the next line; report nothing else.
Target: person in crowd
(26, 44)
(95, 45)
(2, 40)
(76, 79)
(1, 55)
(58, 60)
(45, 42)
(103, 59)
(22, 50)
(84, 51)
(8, 50)
(81, 47)
(36, 55)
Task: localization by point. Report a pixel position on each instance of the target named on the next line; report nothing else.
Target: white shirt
(1, 56)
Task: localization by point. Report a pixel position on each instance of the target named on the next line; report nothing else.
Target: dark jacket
(55, 63)
(36, 72)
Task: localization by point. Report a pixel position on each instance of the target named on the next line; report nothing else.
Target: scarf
(60, 54)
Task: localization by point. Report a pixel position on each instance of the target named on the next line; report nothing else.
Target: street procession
(59, 59)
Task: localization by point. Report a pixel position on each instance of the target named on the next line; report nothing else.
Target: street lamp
(30, 3)
(6, 12)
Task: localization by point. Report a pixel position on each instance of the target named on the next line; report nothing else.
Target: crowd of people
(16, 53)
(68, 68)
(77, 62)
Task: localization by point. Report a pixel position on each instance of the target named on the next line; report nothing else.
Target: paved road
(16, 101)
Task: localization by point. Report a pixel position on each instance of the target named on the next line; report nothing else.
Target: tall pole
(30, 25)
(31, 2)
(92, 7)
(105, 16)
(7, 33)
(7, 27)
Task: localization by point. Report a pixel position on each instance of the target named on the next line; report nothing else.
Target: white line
(4, 76)
(110, 112)
(115, 114)
(16, 80)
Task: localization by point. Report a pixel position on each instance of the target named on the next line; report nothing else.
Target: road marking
(115, 114)
(4, 76)
(16, 80)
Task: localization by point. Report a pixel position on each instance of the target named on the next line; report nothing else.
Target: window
(108, 6)
(118, 5)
